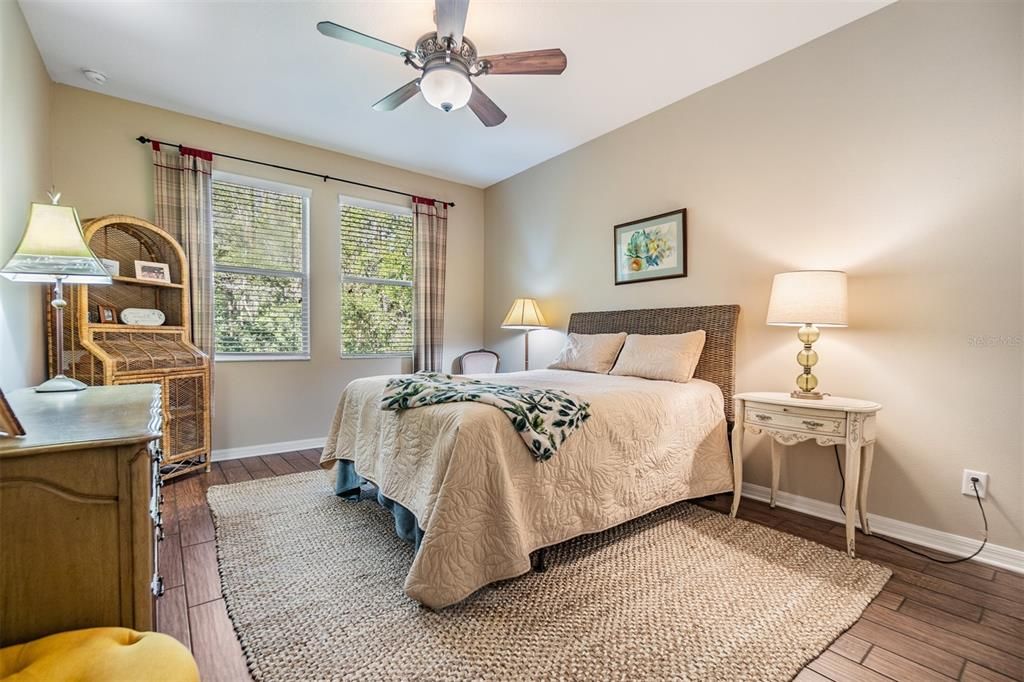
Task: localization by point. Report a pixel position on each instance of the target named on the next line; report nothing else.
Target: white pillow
(589, 352)
(668, 357)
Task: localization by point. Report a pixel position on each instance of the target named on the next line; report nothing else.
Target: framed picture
(154, 272)
(651, 248)
(107, 313)
(113, 267)
(9, 424)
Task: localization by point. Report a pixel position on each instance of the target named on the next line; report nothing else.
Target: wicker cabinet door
(186, 416)
(186, 425)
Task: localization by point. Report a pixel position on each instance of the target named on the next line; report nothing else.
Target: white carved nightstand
(829, 421)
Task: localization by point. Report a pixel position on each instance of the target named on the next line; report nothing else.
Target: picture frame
(107, 314)
(112, 267)
(650, 249)
(10, 427)
(153, 272)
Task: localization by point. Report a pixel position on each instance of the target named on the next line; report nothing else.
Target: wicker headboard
(717, 362)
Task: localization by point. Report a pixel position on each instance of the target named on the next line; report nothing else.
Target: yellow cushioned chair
(99, 655)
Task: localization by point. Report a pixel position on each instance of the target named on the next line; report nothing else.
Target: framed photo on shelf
(651, 248)
(112, 266)
(107, 314)
(153, 272)
(10, 427)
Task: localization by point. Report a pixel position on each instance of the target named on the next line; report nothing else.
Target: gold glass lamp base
(808, 358)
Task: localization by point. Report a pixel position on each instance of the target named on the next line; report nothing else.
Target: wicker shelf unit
(105, 354)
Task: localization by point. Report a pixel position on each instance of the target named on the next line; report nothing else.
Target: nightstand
(829, 421)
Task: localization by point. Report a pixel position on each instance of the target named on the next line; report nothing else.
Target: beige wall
(24, 177)
(102, 169)
(891, 149)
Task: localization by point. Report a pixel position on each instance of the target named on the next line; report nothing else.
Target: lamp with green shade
(525, 314)
(53, 249)
(808, 299)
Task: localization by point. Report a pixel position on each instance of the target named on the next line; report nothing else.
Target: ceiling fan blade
(333, 30)
(450, 16)
(399, 96)
(486, 110)
(538, 62)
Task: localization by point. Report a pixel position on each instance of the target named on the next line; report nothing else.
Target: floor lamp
(53, 249)
(525, 314)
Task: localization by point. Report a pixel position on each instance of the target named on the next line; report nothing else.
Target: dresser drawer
(808, 420)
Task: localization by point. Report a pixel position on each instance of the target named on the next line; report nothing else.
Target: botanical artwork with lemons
(651, 248)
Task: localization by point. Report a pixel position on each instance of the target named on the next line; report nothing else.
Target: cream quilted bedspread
(484, 503)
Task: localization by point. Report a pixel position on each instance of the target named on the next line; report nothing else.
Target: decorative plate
(148, 317)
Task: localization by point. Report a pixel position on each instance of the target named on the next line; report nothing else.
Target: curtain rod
(142, 139)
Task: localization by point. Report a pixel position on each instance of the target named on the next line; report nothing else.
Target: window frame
(280, 188)
(396, 209)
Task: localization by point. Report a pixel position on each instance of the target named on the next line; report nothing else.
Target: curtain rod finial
(142, 139)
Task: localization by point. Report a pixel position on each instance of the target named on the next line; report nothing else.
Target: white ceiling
(262, 65)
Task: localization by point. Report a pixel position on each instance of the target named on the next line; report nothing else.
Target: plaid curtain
(431, 224)
(183, 198)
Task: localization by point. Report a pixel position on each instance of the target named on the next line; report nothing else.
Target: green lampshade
(53, 247)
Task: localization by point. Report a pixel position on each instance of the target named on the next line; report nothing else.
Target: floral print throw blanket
(544, 418)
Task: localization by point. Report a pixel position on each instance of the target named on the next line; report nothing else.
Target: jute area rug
(313, 585)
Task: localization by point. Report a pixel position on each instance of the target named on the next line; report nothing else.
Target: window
(376, 279)
(260, 269)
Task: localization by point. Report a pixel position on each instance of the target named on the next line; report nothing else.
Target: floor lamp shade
(808, 299)
(53, 249)
(525, 314)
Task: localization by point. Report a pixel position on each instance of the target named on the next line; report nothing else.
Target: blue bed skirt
(347, 485)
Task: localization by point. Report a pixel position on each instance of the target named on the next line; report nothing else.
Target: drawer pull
(813, 425)
(763, 417)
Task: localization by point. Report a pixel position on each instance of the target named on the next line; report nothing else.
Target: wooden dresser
(80, 511)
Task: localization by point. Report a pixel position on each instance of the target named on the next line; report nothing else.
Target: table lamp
(53, 249)
(808, 299)
(524, 314)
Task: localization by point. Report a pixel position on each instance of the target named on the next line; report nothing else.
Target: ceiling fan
(447, 60)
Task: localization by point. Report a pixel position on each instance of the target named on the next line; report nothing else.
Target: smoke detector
(97, 77)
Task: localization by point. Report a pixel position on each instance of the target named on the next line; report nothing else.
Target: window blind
(377, 280)
(261, 272)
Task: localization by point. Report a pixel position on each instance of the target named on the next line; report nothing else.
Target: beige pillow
(668, 357)
(589, 352)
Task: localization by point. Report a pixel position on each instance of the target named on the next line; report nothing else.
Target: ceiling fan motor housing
(431, 47)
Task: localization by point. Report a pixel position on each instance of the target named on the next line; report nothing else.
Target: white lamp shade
(524, 314)
(808, 297)
(53, 246)
(446, 87)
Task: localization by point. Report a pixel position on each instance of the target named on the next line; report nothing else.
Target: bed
(478, 504)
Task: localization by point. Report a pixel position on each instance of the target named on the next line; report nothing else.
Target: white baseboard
(268, 448)
(994, 555)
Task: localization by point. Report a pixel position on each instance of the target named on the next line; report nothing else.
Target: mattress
(484, 503)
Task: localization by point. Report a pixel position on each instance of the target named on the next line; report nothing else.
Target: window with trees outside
(260, 269)
(376, 279)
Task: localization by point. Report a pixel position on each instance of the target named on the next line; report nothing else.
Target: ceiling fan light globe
(446, 87)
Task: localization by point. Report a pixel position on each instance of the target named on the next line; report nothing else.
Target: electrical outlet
(968, 489)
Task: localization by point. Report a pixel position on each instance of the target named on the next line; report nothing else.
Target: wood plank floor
(931, 622)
